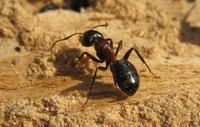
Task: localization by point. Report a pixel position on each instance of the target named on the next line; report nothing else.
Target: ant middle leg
(126, 56)
(98, 68)
(119, 46)
(111, 42)
(88, 55)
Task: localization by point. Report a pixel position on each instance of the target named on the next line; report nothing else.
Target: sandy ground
(38, 88)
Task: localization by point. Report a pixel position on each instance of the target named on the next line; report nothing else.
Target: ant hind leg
(126, 56)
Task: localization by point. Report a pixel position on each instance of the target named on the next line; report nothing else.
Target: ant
(124, 73)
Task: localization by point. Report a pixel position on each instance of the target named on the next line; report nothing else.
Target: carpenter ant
(124, 73)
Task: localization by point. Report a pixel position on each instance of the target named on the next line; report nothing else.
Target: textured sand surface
(38, 88)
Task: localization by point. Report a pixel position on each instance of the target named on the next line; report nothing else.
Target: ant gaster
(124, 73)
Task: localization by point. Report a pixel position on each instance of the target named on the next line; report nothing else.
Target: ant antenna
(105, 25)
(64, 39)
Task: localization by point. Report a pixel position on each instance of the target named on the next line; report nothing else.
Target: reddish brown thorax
(104, 50)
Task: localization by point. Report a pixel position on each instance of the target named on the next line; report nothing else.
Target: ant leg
(119, 46)
(119, 94)
(98, 68)
(111, 42)
(126, 56)
(90, 56)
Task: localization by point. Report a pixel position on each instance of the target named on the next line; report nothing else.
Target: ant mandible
(124, 73)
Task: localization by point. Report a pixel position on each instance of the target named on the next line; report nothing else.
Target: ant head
(89, 37)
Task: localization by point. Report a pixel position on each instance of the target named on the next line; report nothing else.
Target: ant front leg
(126, 56)
(90, 56)
(98, 68)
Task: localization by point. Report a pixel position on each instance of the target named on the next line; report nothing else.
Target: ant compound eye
(89, 37)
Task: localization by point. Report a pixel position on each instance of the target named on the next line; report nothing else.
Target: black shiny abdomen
(126, 76)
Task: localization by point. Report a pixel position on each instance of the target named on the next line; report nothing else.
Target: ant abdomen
(126, 76)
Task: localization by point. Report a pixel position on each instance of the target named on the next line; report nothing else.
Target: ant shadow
(100, 90)
(189, 34)
(67, 57)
